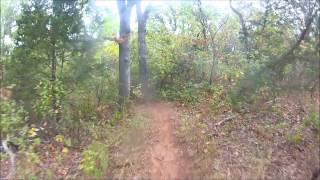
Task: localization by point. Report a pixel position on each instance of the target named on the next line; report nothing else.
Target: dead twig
(224, 121)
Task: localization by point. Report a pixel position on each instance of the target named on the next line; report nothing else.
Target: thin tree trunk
(243, 29)
(53, 74)
(142, 52)
(203, 19)
(53, 60)
(212, 68)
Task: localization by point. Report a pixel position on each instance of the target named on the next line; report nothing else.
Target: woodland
(141, 89)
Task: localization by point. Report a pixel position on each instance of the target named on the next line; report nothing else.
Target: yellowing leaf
(32, 132)
(65, 150)
(198, 115)
(59, 138)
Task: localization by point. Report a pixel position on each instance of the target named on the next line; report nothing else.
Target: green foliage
(36, 42)
(219, 99)
(189, 60)
(254, 88)
(287, 69)
(188, 94)
(94, 160)
(136, 122)
(48, 90)
(136, 91)
(13, 118)
(294, 138)
(235, 99)
(313, 119)
(119, 115)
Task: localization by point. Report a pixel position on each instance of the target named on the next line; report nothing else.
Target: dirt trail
(165, 155)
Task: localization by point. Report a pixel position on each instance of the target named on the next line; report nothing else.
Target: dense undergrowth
(68, 123)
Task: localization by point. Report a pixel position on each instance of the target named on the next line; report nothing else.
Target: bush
(43, 105)
(313, 119)
(294, 138)
(12, 118)
(188, 94)
(219, 99)
(94, 160)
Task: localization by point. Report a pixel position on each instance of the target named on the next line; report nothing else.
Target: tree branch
(224, 120)
(118, 40)
(301, 37)
(243, 26)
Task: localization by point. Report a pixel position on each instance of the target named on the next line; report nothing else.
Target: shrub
(294, 138)
(313, 119)
(94, 160)
(189, 93)
(43, 105)
(219, 99)
(12, 118)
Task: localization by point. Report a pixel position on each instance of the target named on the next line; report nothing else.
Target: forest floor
(187, 142)
(169, 140)
(160, 156)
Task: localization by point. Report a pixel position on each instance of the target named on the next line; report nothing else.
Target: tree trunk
(203, 19)
(124, 49)
(142, 52)
(244, 29)
(212, 68)
(53, 60)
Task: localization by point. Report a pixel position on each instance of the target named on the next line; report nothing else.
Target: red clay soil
(166, 157)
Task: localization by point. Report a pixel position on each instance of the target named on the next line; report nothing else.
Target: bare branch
(224, 120)
(243, 26)
(213, 35)
(118, 40)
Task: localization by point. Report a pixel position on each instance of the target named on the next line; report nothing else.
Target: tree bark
(142, 46)
(243, 29)
(203, 19)
(124, 8)
(53, 60)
